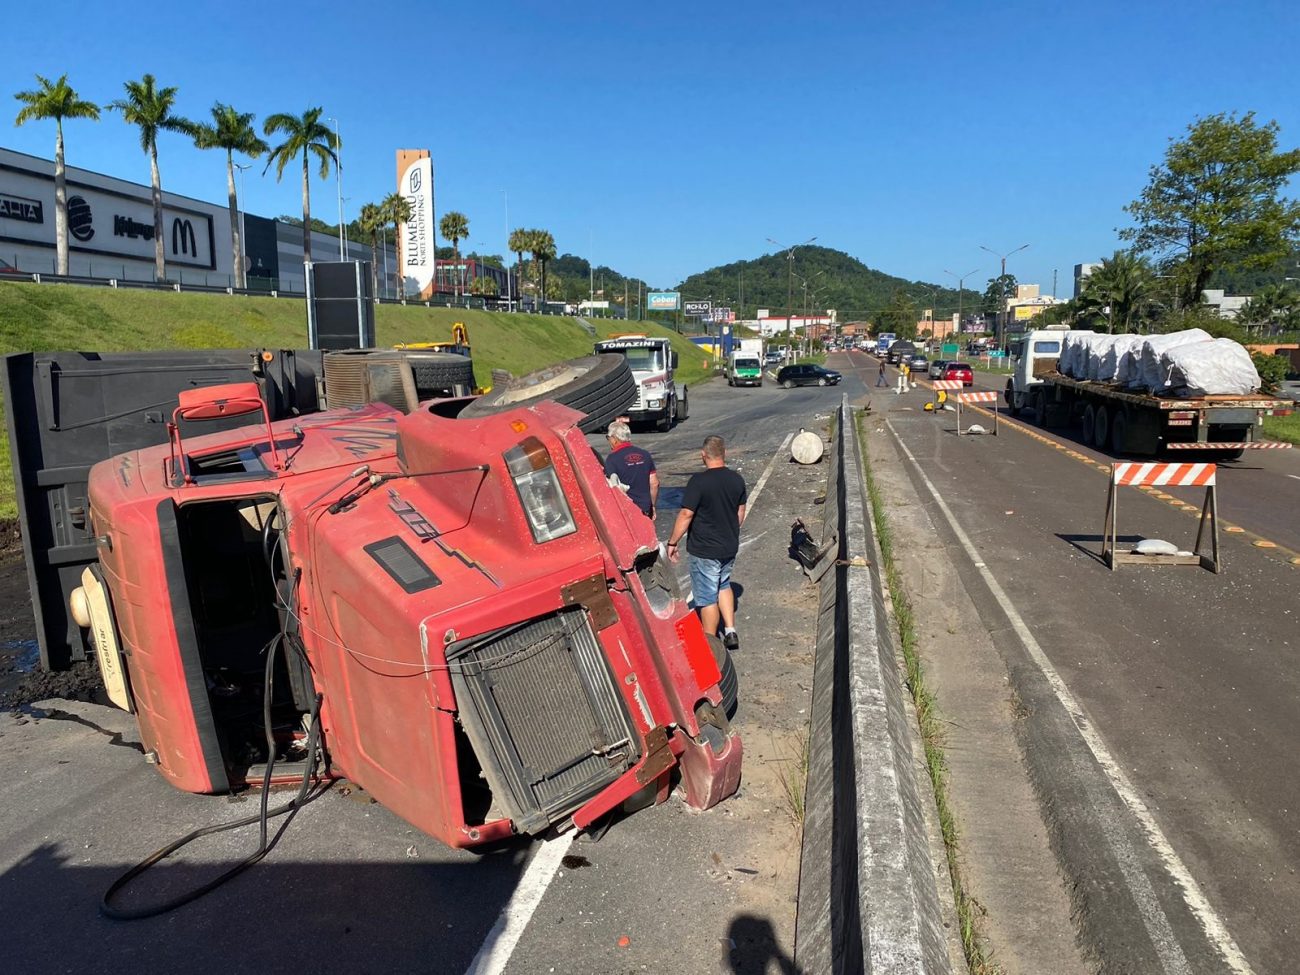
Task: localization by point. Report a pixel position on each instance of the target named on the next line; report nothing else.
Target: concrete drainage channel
(868, 889)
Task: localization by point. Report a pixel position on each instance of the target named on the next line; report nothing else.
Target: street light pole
(510, 294)
(338, 182)
(1002, 282)
(961, 281)
(789, 288)
(241, 273)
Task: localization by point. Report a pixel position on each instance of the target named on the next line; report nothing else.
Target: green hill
(840, 281)
(46, 317)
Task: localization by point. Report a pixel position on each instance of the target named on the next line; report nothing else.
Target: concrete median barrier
(868, 898)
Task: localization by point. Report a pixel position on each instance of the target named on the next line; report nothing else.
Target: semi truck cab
(659, 399)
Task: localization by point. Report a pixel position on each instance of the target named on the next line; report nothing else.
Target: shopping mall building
(110, 233)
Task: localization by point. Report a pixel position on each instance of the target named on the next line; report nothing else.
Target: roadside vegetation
(45, 317)
(1284, 428)
(931, 726)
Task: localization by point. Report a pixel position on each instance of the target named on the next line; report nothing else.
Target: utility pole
(1002, 282)
(961, 280)
(789, 289)
(338, 181)
(510, 295)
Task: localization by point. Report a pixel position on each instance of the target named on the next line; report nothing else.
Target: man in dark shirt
(633, 466)
(713, 509)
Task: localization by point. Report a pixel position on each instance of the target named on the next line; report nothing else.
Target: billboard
(416, 241)
(663, 300)
(697, 307)
(104, 222)
(1023, 312)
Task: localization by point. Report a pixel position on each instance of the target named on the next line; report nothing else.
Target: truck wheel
(728, 685)
(1010, 397)
(1234, 454)
(1119, 434)
(665, 422)
(601, 386)
(683, 405)
(440, 370)
(1089, 424)
(1040, 411)
(1101, 434)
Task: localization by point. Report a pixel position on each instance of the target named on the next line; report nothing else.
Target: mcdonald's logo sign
(183, 239)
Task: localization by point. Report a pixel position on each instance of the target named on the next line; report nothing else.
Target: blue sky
(677, 136)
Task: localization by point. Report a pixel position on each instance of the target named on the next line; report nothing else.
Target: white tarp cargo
(1074, 351)
(1150, 373)
(1215, 368)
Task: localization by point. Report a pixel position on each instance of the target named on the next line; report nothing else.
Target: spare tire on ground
(601, 386)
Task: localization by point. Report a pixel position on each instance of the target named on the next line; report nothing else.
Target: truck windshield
(747, 364)
(644, 360)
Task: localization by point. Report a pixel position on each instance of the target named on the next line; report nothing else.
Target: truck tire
(440, 370)
(1089, 424)
(728, 685)
(1119, 434)
(665, 422)
(683, 406)
(601, 386)
(1101, 433)
(1010, 396)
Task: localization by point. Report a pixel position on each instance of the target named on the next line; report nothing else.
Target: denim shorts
(708, 578)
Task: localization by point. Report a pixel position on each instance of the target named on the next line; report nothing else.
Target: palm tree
(1123, 289)
(306, 135)
(57, 101)
(149, 108)
(397, 210)
(455, 227)
(373, 220)
(232, 131)
(518, 244)
(542, 245)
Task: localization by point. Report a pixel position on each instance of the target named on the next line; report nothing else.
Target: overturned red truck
(480, 630)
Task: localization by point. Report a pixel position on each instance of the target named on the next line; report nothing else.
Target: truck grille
(540, 707)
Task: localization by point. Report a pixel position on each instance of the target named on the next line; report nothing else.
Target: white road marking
(1296, 476)
(500, 943)
(1153, 916)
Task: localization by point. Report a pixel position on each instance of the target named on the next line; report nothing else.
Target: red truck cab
(496, 646)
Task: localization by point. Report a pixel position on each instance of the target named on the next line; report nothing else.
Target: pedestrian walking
(633, 466)
(713, 509)
(880, 378)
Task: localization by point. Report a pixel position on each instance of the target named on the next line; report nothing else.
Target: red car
(959, 370)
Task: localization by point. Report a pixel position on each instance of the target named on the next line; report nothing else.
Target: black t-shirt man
(715, 494)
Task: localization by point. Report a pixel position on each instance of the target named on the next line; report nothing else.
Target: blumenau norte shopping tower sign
(416, 242)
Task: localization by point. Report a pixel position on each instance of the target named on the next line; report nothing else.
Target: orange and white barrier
(1259, 445)
(947, 384)
(982, 396)
(1164, 475)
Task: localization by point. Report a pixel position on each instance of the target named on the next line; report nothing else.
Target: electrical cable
(263, 815)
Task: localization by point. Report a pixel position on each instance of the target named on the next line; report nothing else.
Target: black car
(807, 375)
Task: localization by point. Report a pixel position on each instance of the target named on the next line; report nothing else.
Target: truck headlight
(548, 512)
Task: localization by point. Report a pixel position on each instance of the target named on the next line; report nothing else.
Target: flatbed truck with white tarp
(1131, 421)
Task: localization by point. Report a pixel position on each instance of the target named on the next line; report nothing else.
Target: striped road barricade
(1244, 445)
(1167, 476)
(978, 397)
(940, 388)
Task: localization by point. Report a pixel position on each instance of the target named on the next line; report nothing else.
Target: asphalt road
(1188, 678)
(352, 888)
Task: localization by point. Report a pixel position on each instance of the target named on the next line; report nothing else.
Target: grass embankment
(44, 317)
(930, 722)
(1284, 428)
